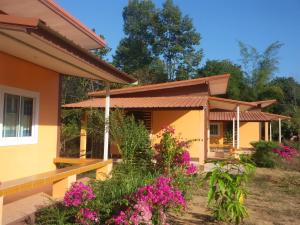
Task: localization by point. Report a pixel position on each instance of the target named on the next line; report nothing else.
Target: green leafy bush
(132, 139)
(112, 195)
(263, 155)
(227, 190)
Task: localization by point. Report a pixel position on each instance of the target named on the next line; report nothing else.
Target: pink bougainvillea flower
(78, 194)
(86, 215)
(169, 130)
(150, 198)
(285, 152)
(191, 169)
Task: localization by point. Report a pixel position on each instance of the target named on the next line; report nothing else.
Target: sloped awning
(265, 103)
(144, 103)
(217, 85)
(32, 40)
(246, 116)
(229, 104)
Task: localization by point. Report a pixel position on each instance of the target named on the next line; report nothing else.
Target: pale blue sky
(221, 23)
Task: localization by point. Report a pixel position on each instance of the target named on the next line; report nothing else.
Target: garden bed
(274, 198)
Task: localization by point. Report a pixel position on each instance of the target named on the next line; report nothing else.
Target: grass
(274, 198)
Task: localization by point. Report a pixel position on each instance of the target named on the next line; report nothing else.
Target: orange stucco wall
(249, 132)
(26, 160)
(189, 124)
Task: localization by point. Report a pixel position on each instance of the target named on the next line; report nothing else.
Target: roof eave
(39, 28)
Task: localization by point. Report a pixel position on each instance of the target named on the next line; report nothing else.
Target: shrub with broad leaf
(227, 190)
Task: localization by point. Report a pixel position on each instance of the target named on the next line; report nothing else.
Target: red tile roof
(144, 102)
(166, 85)
(250, 116)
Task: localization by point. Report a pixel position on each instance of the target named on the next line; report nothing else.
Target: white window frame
(33, 139)
(219, 127)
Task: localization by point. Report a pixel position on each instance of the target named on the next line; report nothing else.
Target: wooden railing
(61, 179)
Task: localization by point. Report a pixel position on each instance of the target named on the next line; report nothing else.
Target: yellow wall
(249, 132)
(26, 160)
(189, 124)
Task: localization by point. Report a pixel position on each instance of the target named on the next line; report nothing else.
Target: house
(39, 42)
(191, 109)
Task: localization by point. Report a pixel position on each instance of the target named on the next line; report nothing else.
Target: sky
(221, 24)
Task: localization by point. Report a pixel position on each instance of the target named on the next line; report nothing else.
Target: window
(18, 116)
(214, 129)
(143, 116)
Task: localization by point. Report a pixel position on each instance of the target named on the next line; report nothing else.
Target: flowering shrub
(78, 196)
(173, 153)
(86, 215)
(191, 169)
(285, 152)
(151, 203)
(139, 192)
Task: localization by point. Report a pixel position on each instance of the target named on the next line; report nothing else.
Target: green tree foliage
(134, 54)
(237, 84)
(159, 44)
(259, 68)
(289, 104)
(176, 42)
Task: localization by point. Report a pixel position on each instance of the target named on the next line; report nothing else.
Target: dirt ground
(273, 199)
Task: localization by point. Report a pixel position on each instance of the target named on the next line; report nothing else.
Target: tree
(236, 85)
(157, 42)
(176, 41)
(259, 68)
(134, 52)
(101, 52)
(291, 91)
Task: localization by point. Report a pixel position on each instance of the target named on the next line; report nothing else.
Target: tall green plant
(227, 190)
(132, 140)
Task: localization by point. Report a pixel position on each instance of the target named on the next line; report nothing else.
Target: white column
(1, 209)
(238, 126)
(106, 128)
(270, 131)
(233, 132)
(208, 134)
(279, 128)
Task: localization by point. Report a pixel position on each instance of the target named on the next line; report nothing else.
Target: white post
(1, 209)
(238, 126)
(279, 127)
(270, 131)
(208, 134)
(106, 128)
(233, 132)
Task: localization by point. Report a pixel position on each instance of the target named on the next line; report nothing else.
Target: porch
(231, 133)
